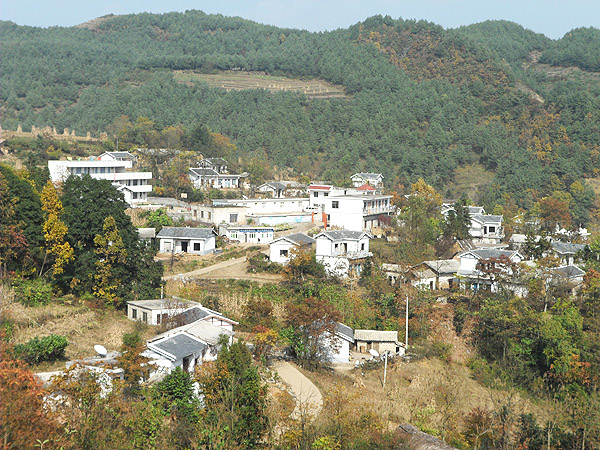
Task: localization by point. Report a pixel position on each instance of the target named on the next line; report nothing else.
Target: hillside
(421, 101)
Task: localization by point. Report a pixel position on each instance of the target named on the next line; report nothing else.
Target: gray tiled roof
(567, 247)
(486, 218)
(180, 345)
(344, 331)
(569, 271)
(337, 235)
(186, 233)
(487, 253)
(376, 335)
(444, 265)
(475, 209)
(368, 175)
(300, 239)
(198, 171)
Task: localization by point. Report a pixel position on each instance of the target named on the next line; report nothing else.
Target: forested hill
(420, 101)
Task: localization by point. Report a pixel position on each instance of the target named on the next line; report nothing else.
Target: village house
(567, 252)
(217, 213)
(380, 341)
(372, 179)
(210, 178)
(176, 311)
(219, 165)
(247, 234)
(280, 189)
(156, 312)
(270, 211)
(279, 249)
(198, 241)
(437, 274)
(117, 156)
(498, 269)
(337, 347)
(395, 273)
(174, 208)
(568, 276)
(343, 253)
(134, 185)
(486, 228)
(358, 212)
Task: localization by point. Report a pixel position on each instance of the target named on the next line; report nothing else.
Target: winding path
(308, 397)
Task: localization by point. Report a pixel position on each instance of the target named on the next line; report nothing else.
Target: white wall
(275, 250)
(337, 266)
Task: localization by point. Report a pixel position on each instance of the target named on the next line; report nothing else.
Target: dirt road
(233, 268)
(308, 397)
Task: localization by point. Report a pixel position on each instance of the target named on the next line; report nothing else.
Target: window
(362, 246)
(202, 214)
(233, 218)
(145, 317)
(315, 194)
(336, 246)
(134, 195)
(134, 314)
(196, 246)
(283, 253)
(335, 204)
(326, 194)
(492, 229)
(209, 216)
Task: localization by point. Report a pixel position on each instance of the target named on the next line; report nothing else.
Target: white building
(357, 212)
(500, 262)
(219, 213)
(248, 234)
(317, 193)
(210, 178)
(436, 274)
(338, 346)
(117, 156)
(134, 185)
(270, 211)
(199, 241)
(486, 228)
(373, 179)
(156, 312)
(343, 252)
(279, 249)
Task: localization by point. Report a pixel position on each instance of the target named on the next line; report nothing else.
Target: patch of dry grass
(83, 326)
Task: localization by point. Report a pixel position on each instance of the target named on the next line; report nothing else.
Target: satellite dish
(374, 353)
(100, 350)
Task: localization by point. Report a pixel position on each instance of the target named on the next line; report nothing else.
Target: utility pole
(406, 331)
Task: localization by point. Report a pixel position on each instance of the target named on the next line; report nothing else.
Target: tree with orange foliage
(554, 212)
(24, 420)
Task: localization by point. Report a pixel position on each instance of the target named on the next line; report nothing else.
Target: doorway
(184, 246)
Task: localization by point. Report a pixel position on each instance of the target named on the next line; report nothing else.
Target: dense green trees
(424, 100)
(79, 233)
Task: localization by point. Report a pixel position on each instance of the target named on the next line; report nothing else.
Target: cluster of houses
(485, 262)
(195, 333)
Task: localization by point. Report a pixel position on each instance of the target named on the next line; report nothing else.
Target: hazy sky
(550, 17)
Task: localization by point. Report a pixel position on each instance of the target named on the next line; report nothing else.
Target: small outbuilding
(381, 341)
(279, 249)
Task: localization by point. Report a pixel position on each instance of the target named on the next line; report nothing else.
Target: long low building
(247, 234)
(199, 241)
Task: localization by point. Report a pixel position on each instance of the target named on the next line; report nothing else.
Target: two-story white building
(357, 212)
(370, 178)
(486, 228)
(134, 185)
(343, 252)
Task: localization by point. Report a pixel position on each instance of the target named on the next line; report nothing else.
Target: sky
(553, 18)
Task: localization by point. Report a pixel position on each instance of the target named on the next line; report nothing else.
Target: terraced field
(237, 80)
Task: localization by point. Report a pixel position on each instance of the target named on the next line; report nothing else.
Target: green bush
(49, 348)
(34, 292)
